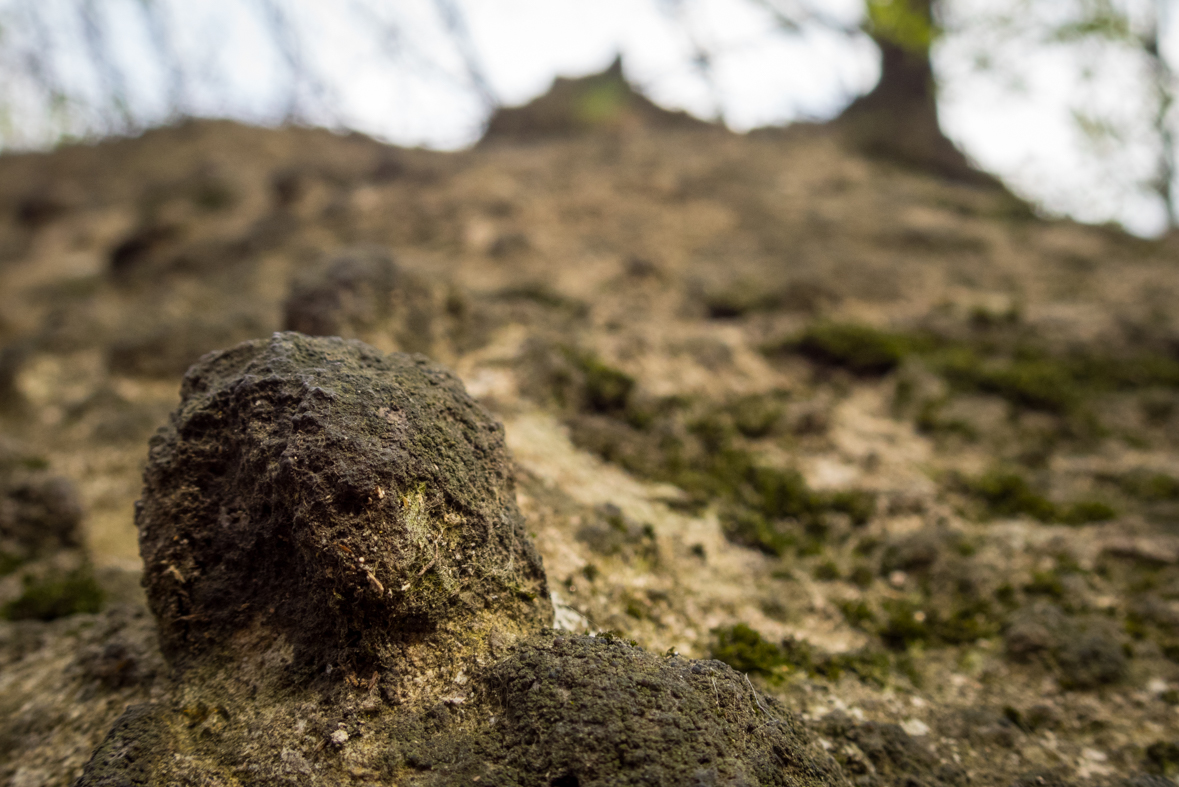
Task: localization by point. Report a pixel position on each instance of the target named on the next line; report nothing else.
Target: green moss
(56, 596)
(929, 421)
(967, 620)
(862, 576)
(544, 295)
(1162, 758)
(858, 348)
(870, 666)
(756, 416)
(1149, 487)
(636, 609)
(984, 319)
(744, 649)
(704, 448)
(1086, 511)
(740, 298)
(1045, 583)
(1037, 384)
(966, 548)
(751, 529)
(1136, 626)
(1008, 494)
(967, 623)
(999, 360)
(607, 389)
(1005, 595)
(866, 546)
(601, 105)
(9, 563)
(1157, 410)
(614, 635)
(903, 392)
(827, 571)
(769, 506)
(906, 624)
(778, 493)
(857, 613)
(859, 505)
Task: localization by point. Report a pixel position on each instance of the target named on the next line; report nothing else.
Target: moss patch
(1006, 493)
(997, 358)
(745, 649)
(1147, 486)
(707, 448)
(56, 596)
(858, 348)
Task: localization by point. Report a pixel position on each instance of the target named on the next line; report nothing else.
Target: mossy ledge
(346, 592)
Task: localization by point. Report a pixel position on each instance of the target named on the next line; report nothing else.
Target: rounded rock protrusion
(345, 500)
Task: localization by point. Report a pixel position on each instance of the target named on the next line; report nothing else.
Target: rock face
(353, 291)
(344, 501)
(593, 711)
(39, 513)
(346, 592)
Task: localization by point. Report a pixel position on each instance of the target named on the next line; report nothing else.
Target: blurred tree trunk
(898, 120)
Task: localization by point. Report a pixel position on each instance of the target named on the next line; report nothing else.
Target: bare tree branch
(455, 22)
(156, 20)
(119, 117)
(286, 39)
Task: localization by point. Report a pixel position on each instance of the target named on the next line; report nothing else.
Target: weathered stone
(334, 498)
(353, 290)
(1085, 653)
(332, 547)
(888, 753)
(595, 711)
(39, 512)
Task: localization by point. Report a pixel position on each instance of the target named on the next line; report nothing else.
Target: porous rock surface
(577, 710)
(346, 593)
(341, 499)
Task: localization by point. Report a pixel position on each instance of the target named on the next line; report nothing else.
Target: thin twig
(758, 701)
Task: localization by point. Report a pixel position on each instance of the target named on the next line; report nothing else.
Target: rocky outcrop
(345, 590)
(600, 102)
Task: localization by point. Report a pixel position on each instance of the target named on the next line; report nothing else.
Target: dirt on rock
(900, 450)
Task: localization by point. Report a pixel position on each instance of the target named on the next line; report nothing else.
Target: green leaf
(897, 22)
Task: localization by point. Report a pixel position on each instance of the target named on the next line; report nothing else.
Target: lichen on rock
(319, 493)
